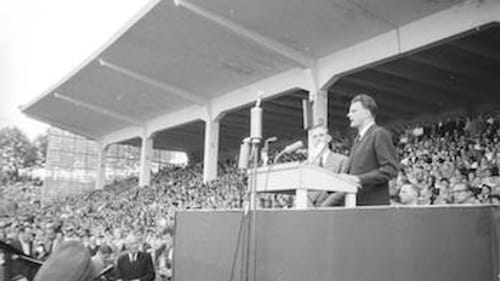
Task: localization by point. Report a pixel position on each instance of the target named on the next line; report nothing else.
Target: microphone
(294, 146)
(289, 148)
(271, 139)
(265, 150)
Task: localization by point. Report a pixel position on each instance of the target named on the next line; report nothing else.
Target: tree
(16, 152)
(41, 143)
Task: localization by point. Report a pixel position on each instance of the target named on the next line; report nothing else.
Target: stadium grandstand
(183, 77)
(71, 163)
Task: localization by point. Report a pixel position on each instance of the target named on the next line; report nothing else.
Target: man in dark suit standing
(134, 265)
(372, 161)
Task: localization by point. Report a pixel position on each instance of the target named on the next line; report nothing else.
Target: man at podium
(323, 156)
(372, 161)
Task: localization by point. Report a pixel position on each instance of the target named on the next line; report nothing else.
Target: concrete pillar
(146, 156)
(100, 177)
(319, 112)
(211, 150)
(320, 108)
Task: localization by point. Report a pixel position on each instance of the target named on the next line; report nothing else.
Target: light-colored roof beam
(97, 109)
(298, 57)
(155, 83)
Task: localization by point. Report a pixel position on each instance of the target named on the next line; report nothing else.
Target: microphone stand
(289, 149)
(252, 183)
(250, 214)
(252, 226)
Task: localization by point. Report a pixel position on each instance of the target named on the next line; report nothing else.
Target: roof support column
(211, 149)
(320, 107)
(319, 98)
(100, 176)
(146, 156)
(319, 113)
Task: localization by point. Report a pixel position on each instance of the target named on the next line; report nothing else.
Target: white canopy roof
(182, 55)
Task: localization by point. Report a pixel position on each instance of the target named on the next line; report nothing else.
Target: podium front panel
(362, 244)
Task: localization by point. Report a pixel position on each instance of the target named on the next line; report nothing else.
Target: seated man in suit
(323, 156)
(134, 264)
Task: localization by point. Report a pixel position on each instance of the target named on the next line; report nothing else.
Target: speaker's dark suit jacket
(141, 269)
(373, 159)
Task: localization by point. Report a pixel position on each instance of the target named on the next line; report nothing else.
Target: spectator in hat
(134, 264)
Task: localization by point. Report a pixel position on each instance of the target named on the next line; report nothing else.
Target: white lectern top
(298, 178)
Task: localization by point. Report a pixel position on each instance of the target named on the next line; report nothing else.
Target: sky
(42, 41)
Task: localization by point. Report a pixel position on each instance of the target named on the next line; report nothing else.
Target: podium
(299, 178)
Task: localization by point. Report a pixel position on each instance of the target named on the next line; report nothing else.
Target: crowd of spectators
(446, 162)
(106, 217)
(452, 161)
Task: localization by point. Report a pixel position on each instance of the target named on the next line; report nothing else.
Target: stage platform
(455, 243)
